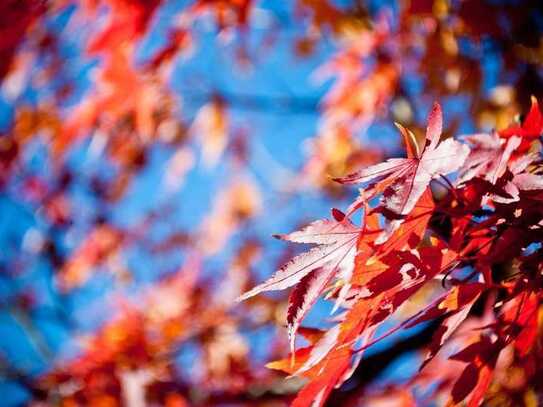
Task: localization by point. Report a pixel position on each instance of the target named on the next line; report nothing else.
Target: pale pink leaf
(321, 232)
(435, 126)
(302, 298)
(528, 182)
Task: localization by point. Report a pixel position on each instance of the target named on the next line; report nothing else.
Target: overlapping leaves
(408, 241)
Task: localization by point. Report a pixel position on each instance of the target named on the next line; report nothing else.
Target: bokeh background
(149, 150)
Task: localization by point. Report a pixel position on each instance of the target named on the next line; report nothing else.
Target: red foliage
(401, 257)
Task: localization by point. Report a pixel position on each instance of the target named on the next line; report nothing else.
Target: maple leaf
(521, 314)
(475, 379)
(456, 304)
(531, 127)
(403, 180)
(488, 157)
(410, 230)
(312, 270)
(302, 298)
(316, 391)
(503, 165)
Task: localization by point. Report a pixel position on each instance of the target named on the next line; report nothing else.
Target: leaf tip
(338, 215)
(245, 296)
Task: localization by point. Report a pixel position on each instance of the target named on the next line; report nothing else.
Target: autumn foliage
(150, 149)
(401, 245)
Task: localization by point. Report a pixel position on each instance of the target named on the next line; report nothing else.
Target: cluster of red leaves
(481, 239)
